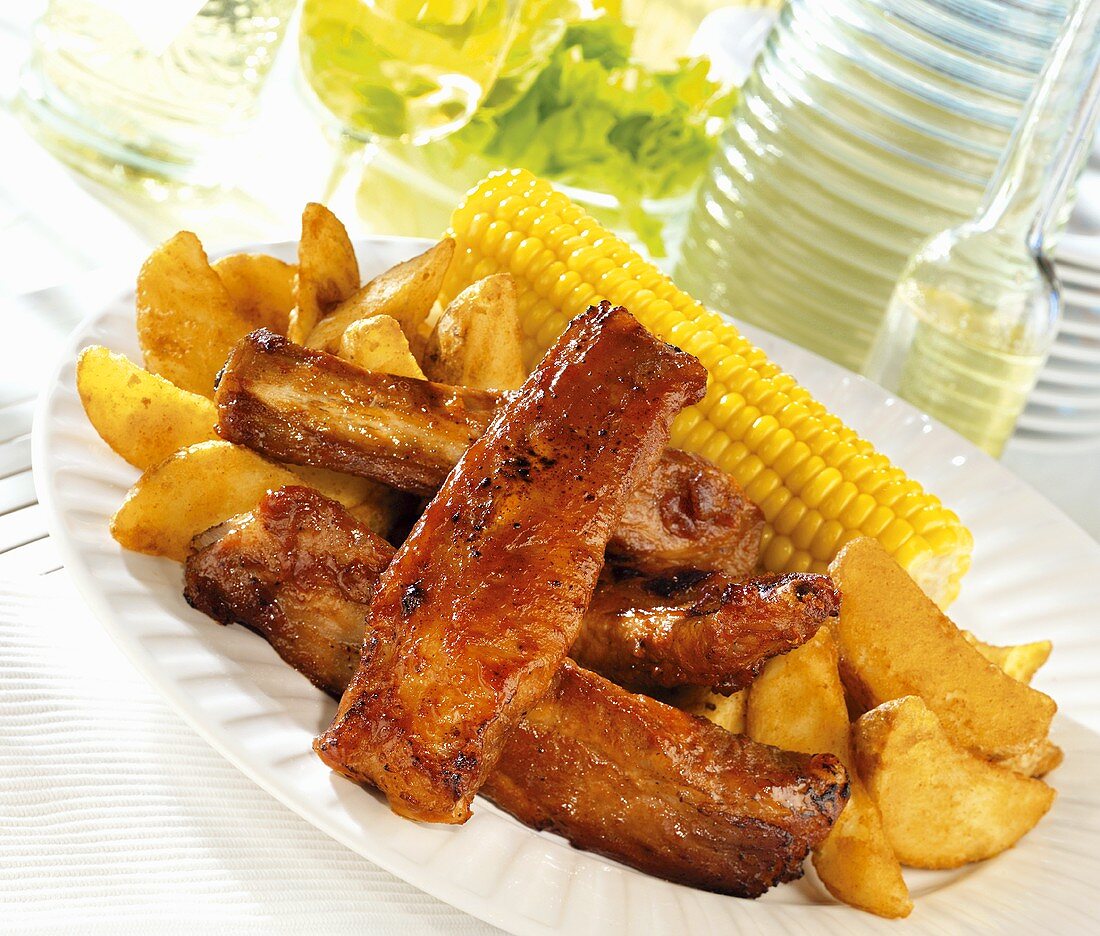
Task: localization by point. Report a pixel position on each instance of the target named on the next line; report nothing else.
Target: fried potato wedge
(191, 491)
(209, 482)
(798, 704)
(477, 341)
(1037, 761)
(1020, 661)
(941, 806)
(895, 642)
(328, 271)
(262, 288)
(378, 506)
(405, 292)
(186, 319)
(377, 343)
(140, 415)
(725, 711)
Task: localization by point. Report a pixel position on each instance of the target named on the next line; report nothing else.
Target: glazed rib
(318, 409)
(689, 513)
(695, 628)
(620, 774)
(300, 571)
(310, 408)
(483, 600)
(663, 791)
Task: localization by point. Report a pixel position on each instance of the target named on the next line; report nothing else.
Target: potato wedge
(725, 711)
(895, 642)
(405, 292)
(797, 703)
(140, 415)
(207, 483)
(186, 319)
(1037, 761)
(477, 341)
(191, 491)
(377, 505)
(262, 288)
(941, 806)
(377, 343)
(328, 271)
(1020, 661)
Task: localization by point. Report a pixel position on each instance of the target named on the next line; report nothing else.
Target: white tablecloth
(117, 818)
(114, 816)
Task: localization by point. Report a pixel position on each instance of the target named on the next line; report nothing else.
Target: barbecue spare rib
(482, 601)
(698, 628)
(616, 773)
(311, 408)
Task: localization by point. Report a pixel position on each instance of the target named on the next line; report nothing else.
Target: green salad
(571, 105)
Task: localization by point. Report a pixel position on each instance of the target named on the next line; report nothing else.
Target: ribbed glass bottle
(866, 126)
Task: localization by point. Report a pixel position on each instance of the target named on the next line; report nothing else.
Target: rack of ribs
(610, 771)
(484, 598)
(311, 408)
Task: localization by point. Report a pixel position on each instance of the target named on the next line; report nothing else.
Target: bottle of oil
(974, 314)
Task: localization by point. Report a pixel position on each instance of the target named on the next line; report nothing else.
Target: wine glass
(407, 70)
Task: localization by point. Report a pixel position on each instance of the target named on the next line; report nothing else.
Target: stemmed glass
(407, 70)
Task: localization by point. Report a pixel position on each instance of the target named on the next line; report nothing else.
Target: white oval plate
(1035, 575)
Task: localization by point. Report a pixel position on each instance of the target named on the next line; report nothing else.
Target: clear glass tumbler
(162, 88)
(866, 126)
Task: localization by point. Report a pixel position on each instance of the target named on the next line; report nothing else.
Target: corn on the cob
(818, 483)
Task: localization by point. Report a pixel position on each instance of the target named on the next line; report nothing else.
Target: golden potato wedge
(895, 642)
(1020, 661)
(140, 415)
(477, 341)
(262, 288)
(1037, 761)
(797, 703)
(186, 319)
(191, 491)
(941, 806)
(405, 292)
(328, 271)
(725, 711)
(377, 343)
(377, 505)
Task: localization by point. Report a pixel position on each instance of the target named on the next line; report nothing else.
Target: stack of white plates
(1063, 413)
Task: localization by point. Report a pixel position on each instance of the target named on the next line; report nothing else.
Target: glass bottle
(866, 126)
(975, 312)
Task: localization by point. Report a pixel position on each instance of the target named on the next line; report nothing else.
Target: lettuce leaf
(592, 118)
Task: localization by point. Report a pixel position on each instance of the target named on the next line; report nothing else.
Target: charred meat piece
(481, 603)
(318, 409)
(311, 408)
(694, 628)
(689, 512)
(300, 556)
(663, 791)
(300, 571)
(624, 775)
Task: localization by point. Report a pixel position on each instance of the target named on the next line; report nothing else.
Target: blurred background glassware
(596, 95)
(1063, 412)
(977, 308)
(407, 70)
(866, 126)
(161, 88)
